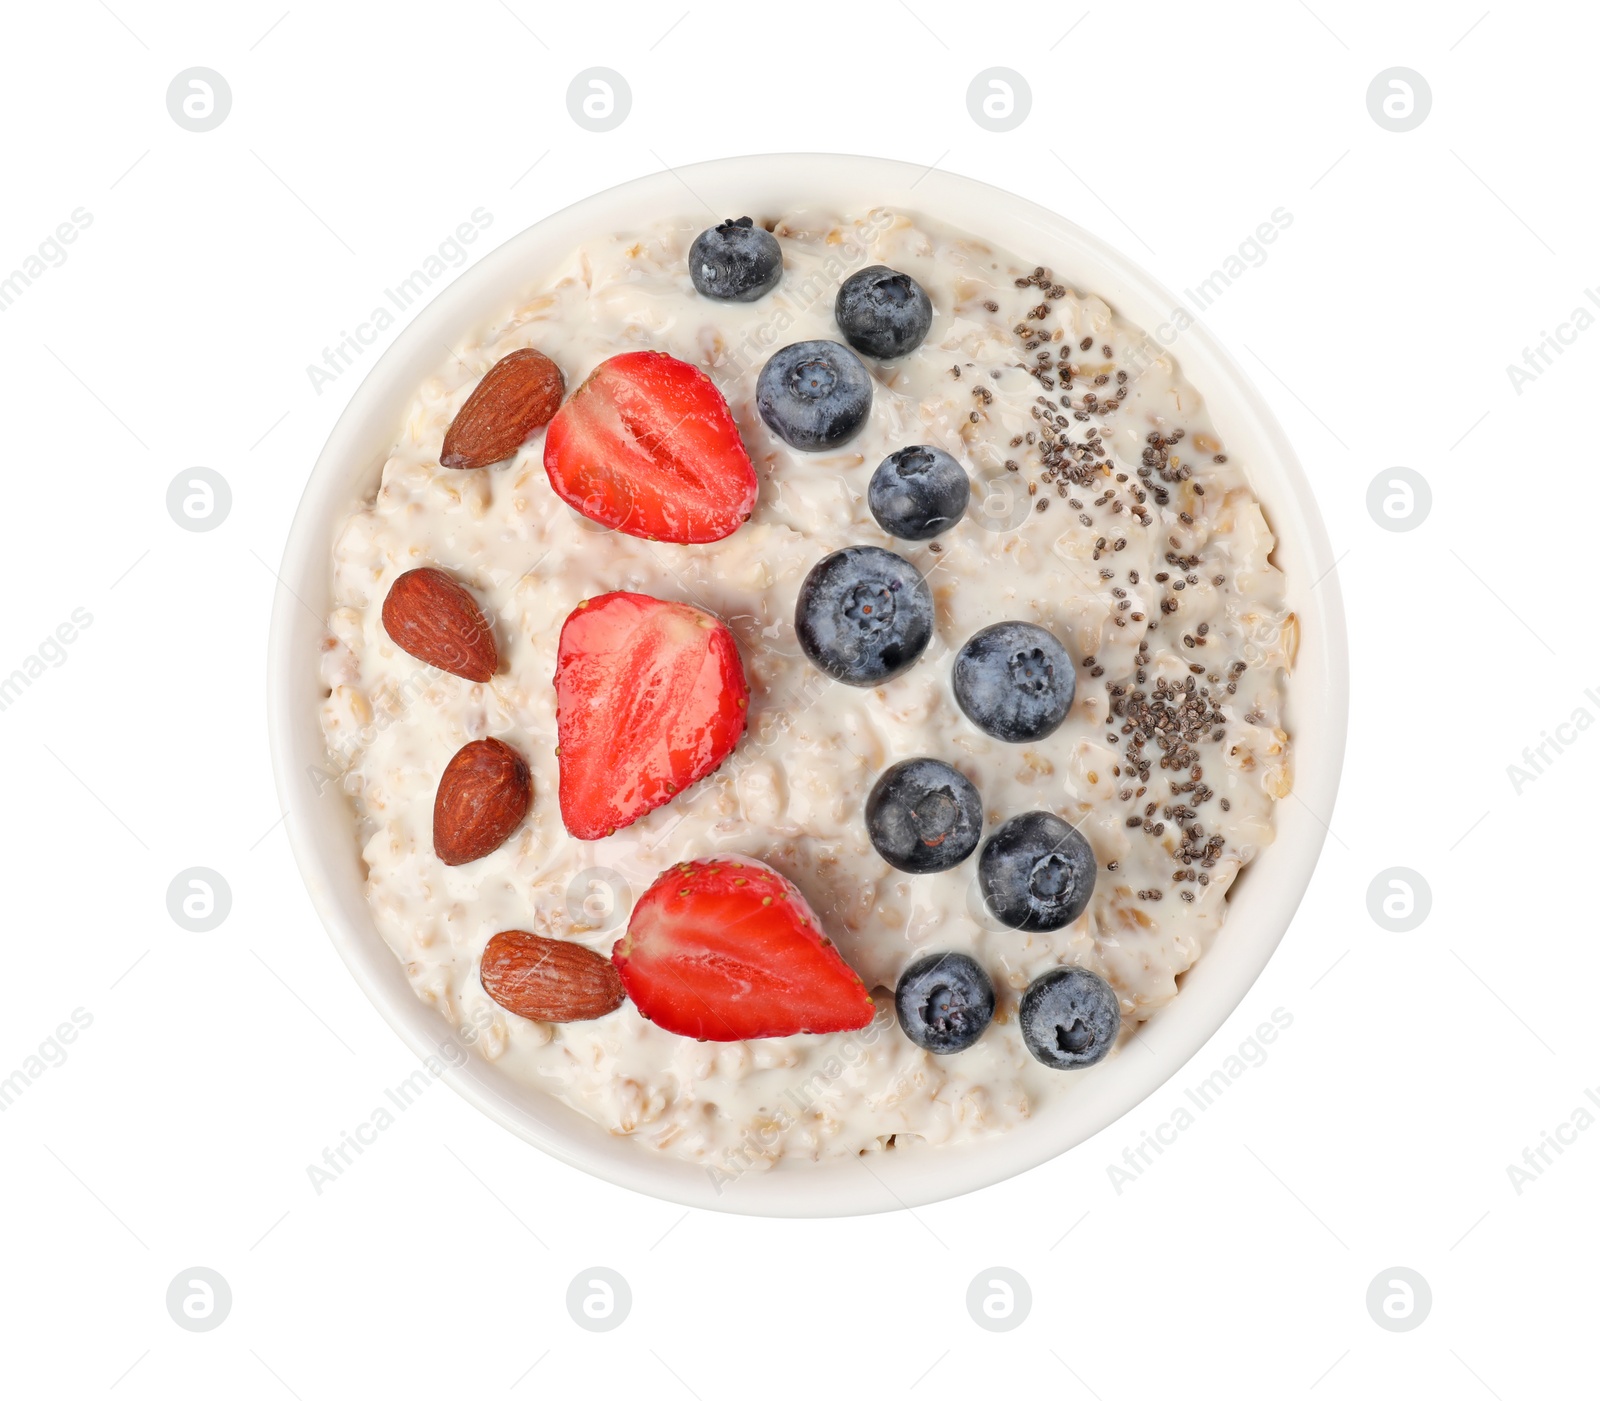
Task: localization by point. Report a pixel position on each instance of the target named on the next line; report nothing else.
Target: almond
(432, 617)
(483, 794)
(518, 396)
(549, 980)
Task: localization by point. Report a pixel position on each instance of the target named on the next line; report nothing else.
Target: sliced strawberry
(647, 446)
(728, 950)
(650, 697)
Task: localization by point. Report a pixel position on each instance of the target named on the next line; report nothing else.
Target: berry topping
(864, 615)
(918, 493)
(646, 445)
(944, 1002)
(726, 949)
(735, 262)
(1014, 681)
(923, 816)
(883, 313)
(650, 697)
(815, 395)
(1036, 872)
(1070, 1018)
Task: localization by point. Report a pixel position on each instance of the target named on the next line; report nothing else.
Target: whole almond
(429, 615)
(518, 396)
(483, 794)
(549, 980)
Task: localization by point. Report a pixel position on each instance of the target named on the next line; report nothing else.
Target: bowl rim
(1273, 883)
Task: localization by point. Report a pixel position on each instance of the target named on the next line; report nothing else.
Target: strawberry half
(728, 950)
(647, 446)
(650, 697)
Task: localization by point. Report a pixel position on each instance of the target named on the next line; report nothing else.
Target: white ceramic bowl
(321, 824)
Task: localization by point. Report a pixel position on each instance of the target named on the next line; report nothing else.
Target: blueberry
(883, 313)
(1014, 681)
(923, 816)
(735, 262)
(864, 615)
(918, 493)
(1070, 1018)
(1036, 872)
(944, 1001)
(814, 395)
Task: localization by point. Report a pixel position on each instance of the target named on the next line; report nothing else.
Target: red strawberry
(650, 697)
(648, 447)
(728, 950)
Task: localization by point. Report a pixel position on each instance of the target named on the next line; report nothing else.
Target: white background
(1418, 1065)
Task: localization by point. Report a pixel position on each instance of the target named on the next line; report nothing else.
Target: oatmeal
(1103, 509)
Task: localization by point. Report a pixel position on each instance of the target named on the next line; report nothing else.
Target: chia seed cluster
(1164, 725)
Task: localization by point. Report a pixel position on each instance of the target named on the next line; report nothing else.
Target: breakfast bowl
(321, 818)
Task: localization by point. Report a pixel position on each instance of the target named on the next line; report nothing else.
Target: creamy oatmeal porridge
(1103, 509)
